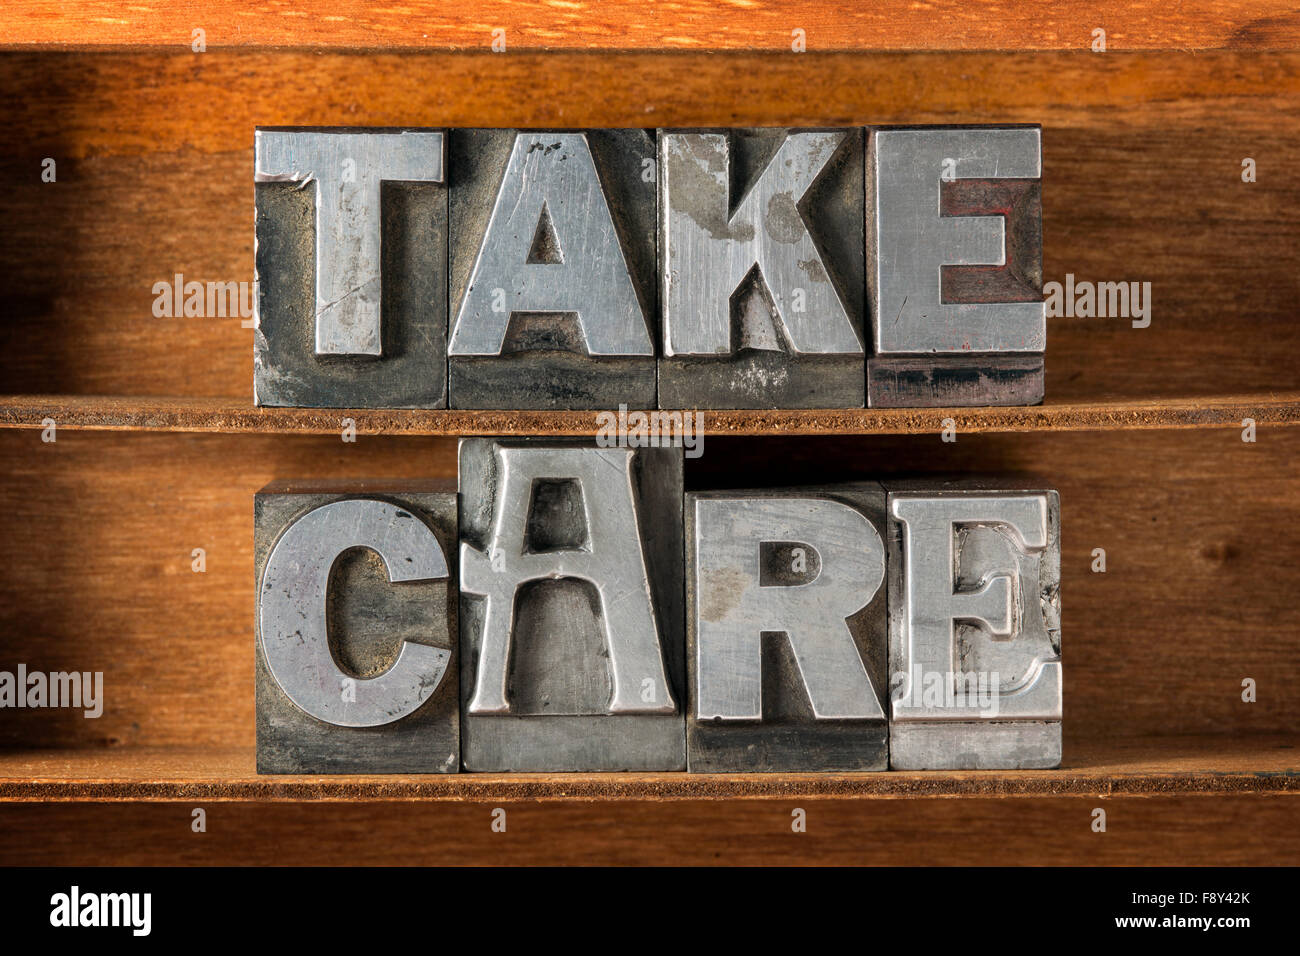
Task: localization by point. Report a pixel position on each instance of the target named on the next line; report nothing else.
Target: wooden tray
(159, 448)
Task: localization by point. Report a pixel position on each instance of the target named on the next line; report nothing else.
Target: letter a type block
(552, 269)
(761, 268)
(786, 629)
(571, 607)
(955, 266)
(351, 268)
(974, 629)
(356, 656)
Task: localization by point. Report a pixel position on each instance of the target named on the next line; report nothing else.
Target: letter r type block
(786, 642)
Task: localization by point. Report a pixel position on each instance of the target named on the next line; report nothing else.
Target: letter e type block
(974, 628)
(351, 259)
(356, 657)
(761, 268)
(571, 607)
(955, 266)
(552, 269)
(786, 629)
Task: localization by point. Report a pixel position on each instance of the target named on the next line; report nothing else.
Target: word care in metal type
(670, 268)
(570, 607)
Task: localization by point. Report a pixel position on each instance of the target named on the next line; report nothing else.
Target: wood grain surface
(124, 413)
(161, 450)
(656, 24)
(1102, 767)
(1187, 830)
(1142, 182)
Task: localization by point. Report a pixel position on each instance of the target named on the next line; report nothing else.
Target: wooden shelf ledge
(682, 25)
(1141, 766)
(230, 415)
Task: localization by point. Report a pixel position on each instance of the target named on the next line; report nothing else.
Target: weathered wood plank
(122, 413)
(681, 25)
(1101, 767)
(1189, 830)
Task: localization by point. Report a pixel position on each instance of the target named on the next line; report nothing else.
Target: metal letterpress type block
(356, 628)
(351, 268)
(760, 268)
(955, 266)
(974, 629)
(552, 269)
(786, 631)
(571, 607)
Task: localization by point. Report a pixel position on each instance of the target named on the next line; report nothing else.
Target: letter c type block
(356, 628)
(786, 641)
(571, 607)
(975, 628)
(351, 268)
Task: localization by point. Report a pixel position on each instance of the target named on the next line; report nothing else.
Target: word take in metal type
(669, 268)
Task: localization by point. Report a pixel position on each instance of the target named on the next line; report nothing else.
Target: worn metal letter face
(292, 612)
(975, 629)
(375, 202)
(549, 258)
(954, 250)
(760, 275)
(569, 619)
(347, 170)
(608, 558)
(551, 246)
(350, 676)
(786, 630)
